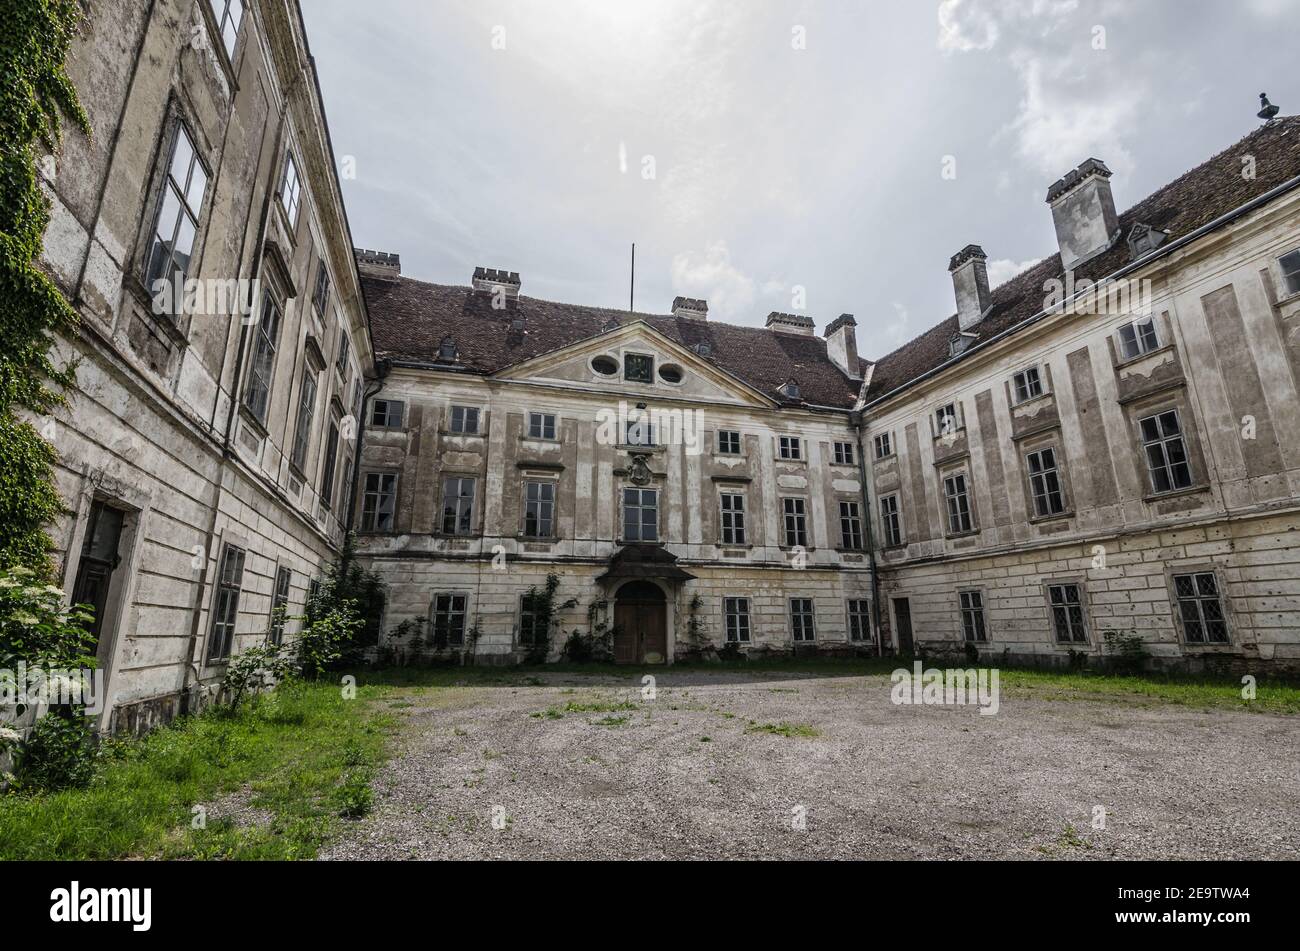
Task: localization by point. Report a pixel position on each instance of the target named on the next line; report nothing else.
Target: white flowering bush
(38, 628)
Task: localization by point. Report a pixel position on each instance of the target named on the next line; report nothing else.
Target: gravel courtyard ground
(723, 764)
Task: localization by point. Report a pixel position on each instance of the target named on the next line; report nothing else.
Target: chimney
(489, 279)
(842, 345)
(690, 308)
(1083, 210)
(790, 324)
(970, 282)
(378, 264)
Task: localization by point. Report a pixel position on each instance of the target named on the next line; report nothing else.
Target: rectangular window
(790, 447)
(388, 414)
(733, 518)
(1028, 385)
(735, 613)
(1291, 271)
(640, 432)
(802, 625)
(457, 506)
(449, 620)
(379, 501)
(859, 620)
(639, 368)
(539, 509)
(796, 523)
(290, 190)
(172, 245)
(541, 426)
(228, 14)
(100, 558)
(1200, 608)
(1045, 483)
(728, 442)
(321, 295)
(258, 396)
(891, 526)
(1067, 613)
(884, 445)
(1138, 337)
(954, 490)
(972, 616)
(343, 361)
(532, 620)
(464, 420)
(306, 410)
(1162, 438)
(844, 453)
(280, 604)
(850, 526)
(331, 465)
(225, 608)
(945, 418)
(640, 515)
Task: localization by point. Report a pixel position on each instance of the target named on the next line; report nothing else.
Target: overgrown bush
(1126, 652)
(325, 638)
(37, 627)
(60, 753)
(258, 668)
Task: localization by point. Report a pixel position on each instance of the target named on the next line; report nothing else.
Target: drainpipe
(867, 516)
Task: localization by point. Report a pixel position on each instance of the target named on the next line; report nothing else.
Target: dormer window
(638, 368)
(790, 389)
(959, 342)
(704, 349)
(447, 352)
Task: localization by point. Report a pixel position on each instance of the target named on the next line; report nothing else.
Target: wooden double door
(640, 624)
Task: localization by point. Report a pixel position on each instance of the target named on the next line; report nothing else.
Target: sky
(818, 157)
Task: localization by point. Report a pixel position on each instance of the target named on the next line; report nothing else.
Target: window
(1067, 613)
(290, 190)
(735, 614)
(640, 515)
(532, 620)
(225, 609)
(733, 518)
(859, 620)
(850, 526)
(447, 351)
(306, 410)
(1291, 271)
(605, 366)
(379, 501)
(172, 245)
(1200, 608)
(728, 442)
(790, 390)
(884, 445)
(796, 523)
(541, 426)
(954, 490)
(100, 558)
(457, 506)
(258, 395)
(343, 362)
(449, 620)
(539, 509)
(464, 420)
(321, 295)
(802, 625)
(890, 525)
(639, 368)
(388, 414)
(640, 432)
(331, 465)
(670, 373)
(789, 447)
(1045, 483)
(280, 604)
(946, 419)
(1162, 438)
(1138, 337)
(228, 14)
(1028, 385)
(972, 616)
(844, 453)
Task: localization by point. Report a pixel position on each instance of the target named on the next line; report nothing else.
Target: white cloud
(1003, 270)
(964, 25)
(712, 276)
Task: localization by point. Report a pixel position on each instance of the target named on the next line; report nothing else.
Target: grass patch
(303, 756)
(1186, 690)
(599, 706)
(784, 729)
(611, 721)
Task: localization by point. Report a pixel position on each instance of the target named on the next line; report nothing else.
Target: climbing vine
(35, 93)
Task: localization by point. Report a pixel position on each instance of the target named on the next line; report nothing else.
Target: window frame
(789, 448)
(851, 534)
(289, 193)
(738, 443)
(280, 599)
(649, 359)
(451, 612)
(842, 453)
(946, 411)
(226, 594)
(864, 633)
(640, 431)
(167, 185)
(529, 616)
(894, 538)
(1198, 599)
(731, 521)
(958, 504)
(1163, 441)
(1290, 279)
(884, 441)
(1043, 476)
(265, 355)
(803, 623)
(387, 418)
(370, 518)
(229, 44)
(641, 508)
(541, 430)
(307, 394)
(537, 504)
(733, 630)
(1023, 394)
(320, 294)
(1080, 604)
(329, 469)
(972, 612)
(1140, 347)
(464, 506)
(464, 410)
(800, 523)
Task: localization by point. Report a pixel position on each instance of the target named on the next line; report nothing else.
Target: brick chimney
(378, 264)
(842, 345)
(488, 279)
(970, 283)
(791, 324)
(1083, 210)
(690, 308)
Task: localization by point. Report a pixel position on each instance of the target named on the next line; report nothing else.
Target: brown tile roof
(1207, 192)
(410, 318)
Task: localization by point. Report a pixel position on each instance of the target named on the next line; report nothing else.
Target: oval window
(670, 373)
(605, 366)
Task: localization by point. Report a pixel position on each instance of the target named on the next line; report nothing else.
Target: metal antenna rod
(631, 296)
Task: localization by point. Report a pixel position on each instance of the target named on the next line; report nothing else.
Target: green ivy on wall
(35, 93)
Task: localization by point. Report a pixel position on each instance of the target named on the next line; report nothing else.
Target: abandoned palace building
(1046, 467)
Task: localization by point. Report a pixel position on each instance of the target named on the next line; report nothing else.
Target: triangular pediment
(675, 372)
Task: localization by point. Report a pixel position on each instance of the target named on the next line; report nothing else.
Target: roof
(409, 319)
(1209, 191)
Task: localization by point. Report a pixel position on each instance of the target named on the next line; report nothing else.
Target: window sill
(971, 533)
(806, 548)
(253, 422)
(1040, 398)
(851, 551)
(1230, 649)
(954, 434)
(448, 432)
(746, 546)
(1176, 493)
(1055, 517)
(792, 462)
(1124, 362)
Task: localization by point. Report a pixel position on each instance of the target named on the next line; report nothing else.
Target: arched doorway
(640, 624)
